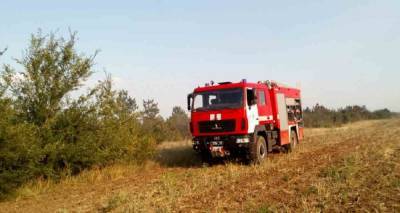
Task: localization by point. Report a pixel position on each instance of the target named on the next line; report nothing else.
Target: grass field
(351, 168)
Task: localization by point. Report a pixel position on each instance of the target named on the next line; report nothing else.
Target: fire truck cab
(244, 119)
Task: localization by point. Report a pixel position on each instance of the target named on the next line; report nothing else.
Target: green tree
(152, 123)
(178, 124)
(150, 109)
(52, 69)
(46, 133)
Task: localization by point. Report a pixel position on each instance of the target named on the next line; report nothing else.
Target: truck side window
(251, 99)
(261, 97)
(198, 101)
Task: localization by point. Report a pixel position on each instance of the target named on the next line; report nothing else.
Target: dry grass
(352, 168)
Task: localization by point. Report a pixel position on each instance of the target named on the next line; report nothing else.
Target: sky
(339, 53)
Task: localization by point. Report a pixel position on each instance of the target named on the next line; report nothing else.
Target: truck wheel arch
(261, 130)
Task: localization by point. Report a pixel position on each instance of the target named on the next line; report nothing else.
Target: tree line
(321, 116)
(47, 132)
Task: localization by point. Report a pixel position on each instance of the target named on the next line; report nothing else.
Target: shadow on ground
(181, 154)
(178, 154)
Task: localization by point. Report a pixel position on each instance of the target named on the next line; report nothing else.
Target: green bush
(20, 154)
(46, 133)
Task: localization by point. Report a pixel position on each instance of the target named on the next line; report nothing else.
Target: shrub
(46, 133)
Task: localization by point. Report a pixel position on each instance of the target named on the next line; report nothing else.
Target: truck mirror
(189, 101)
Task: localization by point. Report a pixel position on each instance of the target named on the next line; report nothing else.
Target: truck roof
(243, 83)
(218, 86)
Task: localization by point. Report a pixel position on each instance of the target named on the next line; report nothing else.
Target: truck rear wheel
(293, 141)
(258, 150)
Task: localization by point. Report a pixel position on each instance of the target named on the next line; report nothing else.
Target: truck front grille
(217, 126)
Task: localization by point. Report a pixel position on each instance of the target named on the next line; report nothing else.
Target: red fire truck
(244, 119)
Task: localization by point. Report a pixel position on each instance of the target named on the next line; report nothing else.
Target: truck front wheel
(206, 157)
(258, 150)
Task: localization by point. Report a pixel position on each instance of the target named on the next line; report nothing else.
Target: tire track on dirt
(268, 185)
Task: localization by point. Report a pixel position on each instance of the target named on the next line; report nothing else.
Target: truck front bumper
(221, 146)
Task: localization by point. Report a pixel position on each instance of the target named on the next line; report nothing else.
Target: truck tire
(258, 150)
(206, 158)
(293, 141)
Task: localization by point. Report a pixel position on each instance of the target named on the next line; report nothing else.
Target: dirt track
(333, 169)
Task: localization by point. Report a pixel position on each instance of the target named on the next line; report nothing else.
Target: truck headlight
(242, 140)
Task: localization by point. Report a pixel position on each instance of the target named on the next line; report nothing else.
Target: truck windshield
(218, 99)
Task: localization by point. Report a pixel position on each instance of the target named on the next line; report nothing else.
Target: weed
(265, 208)
(311, 190)
(285, 178)
(395, 183)
(113, 202)
(341, 172)
(62, 210)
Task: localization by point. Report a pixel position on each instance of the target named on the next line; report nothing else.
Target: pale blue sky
(341, 52)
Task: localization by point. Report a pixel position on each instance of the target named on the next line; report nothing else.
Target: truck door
(264, 106)
(251, 112)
